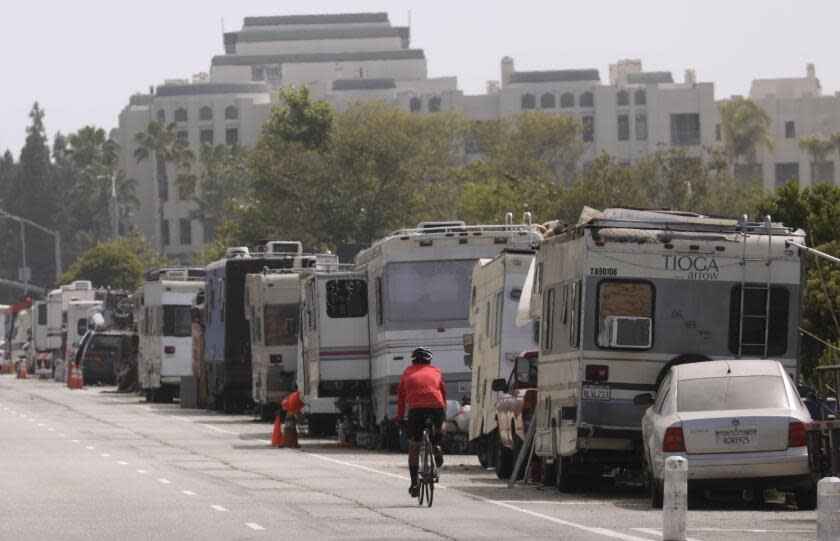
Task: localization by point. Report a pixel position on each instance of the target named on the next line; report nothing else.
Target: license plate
(736, 439)
(596, 393)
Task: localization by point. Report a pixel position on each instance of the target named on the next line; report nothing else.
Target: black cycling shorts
(417, 421)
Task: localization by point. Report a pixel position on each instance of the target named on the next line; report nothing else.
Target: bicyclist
(421, 389)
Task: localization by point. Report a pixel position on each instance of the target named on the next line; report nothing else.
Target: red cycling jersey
(421, 386)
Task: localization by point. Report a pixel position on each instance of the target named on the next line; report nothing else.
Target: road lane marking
(122, 463)
(254, 526)
(50, 430)
(104, 455)
(599, 531)
(218, 508)
(222, 430)
(165, 481)
(75, 441)
(189, 492)
(141, 471)
(90, 447)
(657, 533)
(40, 424)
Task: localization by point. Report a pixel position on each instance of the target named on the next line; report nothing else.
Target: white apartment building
(345, 58)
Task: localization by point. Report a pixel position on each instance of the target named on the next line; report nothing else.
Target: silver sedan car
(739, 423)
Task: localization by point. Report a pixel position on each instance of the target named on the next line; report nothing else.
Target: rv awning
(523, 316)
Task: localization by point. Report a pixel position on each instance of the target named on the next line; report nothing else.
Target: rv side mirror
(499, 384)
(644, 399)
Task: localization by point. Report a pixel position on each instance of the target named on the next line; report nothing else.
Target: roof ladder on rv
(765, 316)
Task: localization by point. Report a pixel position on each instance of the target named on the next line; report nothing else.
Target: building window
(567, 100)
(755, 305)
(623, 127)
(717, 132)
(206, 137)
(185, 231)
(161, 116)
(587, 100)
(180, 115)
(547, 101)
(622, 98)
(786, 172)
(231, 137)
(415, 105)
(529, 101)
(822, 173)
(588, 128)
(790, 129)
(231, 113)
(346, 298)
(640, 97)
(205, 113)
(685, 129)
(257, 73)
(641, 127)
(182, 134)
(164, 232)
(748, 171)
(434, 105)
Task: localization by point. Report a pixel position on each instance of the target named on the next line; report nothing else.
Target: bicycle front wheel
(421, 477)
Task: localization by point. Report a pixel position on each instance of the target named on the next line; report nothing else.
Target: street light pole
(24, 277)
(55, 233)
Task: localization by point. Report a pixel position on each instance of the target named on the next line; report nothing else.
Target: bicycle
(427, 474)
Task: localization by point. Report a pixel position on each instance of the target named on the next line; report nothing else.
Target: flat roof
(322, 18)
(363, 84)
(555, 76)
(303, 34)
(196, 89)
(650, 78)
(252, 59)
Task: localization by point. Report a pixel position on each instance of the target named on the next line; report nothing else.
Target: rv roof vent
(237, 251)
(441, 225)
(81, 284)
(284, 247)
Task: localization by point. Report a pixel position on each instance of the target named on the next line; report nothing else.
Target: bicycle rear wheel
(421, 477)
(428, 470)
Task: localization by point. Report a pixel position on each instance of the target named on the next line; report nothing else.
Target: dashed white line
(75, 441)
(90, 447)
(254, 526)
(50, 430)
(222, 430)
(122, 463)
(164, 481)
(104, 455)
(40, 424)
(62, 435)
(141, 471)
(189, 492)
(218, 508)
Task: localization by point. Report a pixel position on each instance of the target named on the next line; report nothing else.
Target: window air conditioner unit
(629, 332)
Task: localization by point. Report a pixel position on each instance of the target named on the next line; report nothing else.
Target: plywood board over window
(633, 299)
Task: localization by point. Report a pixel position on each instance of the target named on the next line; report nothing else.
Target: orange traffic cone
(277, 434)
(290, 433)
(22, 373)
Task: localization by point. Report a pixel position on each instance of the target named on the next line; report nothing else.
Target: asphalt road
(95, 465)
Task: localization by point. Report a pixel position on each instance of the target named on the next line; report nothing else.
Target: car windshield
(731, 393)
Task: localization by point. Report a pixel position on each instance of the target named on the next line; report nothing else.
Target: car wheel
(504, 461)
(806, 499)
(656, 491)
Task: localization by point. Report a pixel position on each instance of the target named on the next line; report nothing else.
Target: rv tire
(548, 472)
(504, 461)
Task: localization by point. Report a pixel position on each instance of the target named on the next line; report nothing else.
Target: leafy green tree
(118, 264)
(745, 127)
(300, 120)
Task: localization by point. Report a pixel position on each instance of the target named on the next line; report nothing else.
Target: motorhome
(165, 330)
(227, 356)
(57, 302)
(41, 354)
(623, 295)
(408, 289)
(21, 334)
(77, 324)
(272, 309)
(494, 344)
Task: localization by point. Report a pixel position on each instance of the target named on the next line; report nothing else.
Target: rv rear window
(177, 321)
(623, 299)
(281, 324)
(42, 314)
(428, 291)
(346, 298)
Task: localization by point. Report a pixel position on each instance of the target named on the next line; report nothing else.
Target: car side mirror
(644, 399)
(499, 384)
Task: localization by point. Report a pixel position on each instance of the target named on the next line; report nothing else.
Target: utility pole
(55, 233)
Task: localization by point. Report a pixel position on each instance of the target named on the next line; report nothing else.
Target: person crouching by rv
(422, 389)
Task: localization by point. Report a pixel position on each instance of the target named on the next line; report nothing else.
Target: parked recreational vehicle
(77, 324)
(272, 308)
(57, 303)
(495, 343)
(41, 356)
(623, 295)
(165, 330)
(409, 289)
(227, 352)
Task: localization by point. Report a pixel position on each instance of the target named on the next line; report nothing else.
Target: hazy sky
(82, 59)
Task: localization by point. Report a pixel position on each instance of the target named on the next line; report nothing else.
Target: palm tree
(817, 147)
(161, 144)
(745, 127)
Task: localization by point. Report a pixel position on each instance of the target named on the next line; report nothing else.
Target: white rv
(165, 331)
(409, 289)
(77, 324)
(272, 309)
(41, 355)
(495, 341)
(623, 295)
(57, 303)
